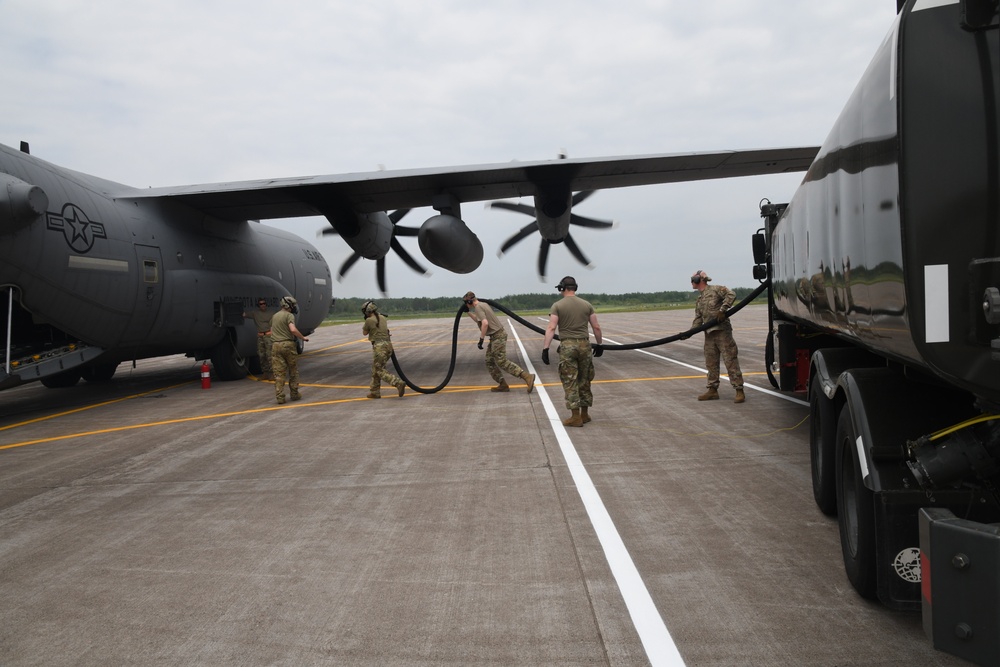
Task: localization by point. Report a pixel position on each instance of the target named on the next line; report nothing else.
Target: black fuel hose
(684, 335)
(652, 343)
(451, 368)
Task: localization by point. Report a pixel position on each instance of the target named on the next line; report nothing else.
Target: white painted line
(762, 390)
(656, 640)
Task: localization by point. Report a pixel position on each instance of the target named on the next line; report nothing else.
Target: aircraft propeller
(543, 249)
(397, 230)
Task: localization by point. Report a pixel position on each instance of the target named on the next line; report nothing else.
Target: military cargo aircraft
(95, 273)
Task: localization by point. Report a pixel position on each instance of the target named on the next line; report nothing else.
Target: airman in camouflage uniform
(262, 319)
(571, 315)
(377, 329)
(284, 356)
(496, 351)
(713, 302)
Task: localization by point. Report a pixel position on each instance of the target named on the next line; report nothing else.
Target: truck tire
(823, 449)
(856, 512)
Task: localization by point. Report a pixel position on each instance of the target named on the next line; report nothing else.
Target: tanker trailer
(884, 301)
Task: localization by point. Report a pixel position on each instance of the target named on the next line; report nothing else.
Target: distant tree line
(350, 307)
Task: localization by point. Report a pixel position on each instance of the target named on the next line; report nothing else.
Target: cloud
(190, 92)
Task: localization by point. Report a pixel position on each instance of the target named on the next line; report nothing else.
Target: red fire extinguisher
(206, 376)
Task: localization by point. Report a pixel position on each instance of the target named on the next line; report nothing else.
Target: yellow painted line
(297, 405)
(222, 415)
(91, 407)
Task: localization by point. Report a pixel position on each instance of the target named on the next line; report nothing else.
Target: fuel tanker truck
(884, 302)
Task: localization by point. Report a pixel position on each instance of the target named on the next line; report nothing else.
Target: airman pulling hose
(684, 335)
(652, 343)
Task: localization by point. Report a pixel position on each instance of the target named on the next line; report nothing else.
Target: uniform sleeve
(728, 298)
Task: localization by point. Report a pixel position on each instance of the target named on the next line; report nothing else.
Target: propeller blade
(380, 275)
(348, 263)
(513, 206)
(582, 195)
(543, 257)
(593, 223)
(405, 231)
(405, 256)
(397, 215)
(525, 232)
(574, 250)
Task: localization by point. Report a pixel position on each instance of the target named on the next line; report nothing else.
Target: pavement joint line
(656, 640)
(722, 376)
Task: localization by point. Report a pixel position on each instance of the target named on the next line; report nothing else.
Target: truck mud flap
(960, 593)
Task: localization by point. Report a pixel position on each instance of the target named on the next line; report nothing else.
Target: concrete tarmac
(149, 521)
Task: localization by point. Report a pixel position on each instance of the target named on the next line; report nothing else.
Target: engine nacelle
(20, 203)
(368, 234)
(552, 212)
(447, 242)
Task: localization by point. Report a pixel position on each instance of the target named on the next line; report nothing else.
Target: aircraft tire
(62, 380)
(823, 449)
(856, 512)
(227, 362)
(99, 373)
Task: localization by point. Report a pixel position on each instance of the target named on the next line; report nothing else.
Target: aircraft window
(150, 271)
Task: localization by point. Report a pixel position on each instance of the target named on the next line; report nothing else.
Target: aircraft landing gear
(62, 380)
(228, 363)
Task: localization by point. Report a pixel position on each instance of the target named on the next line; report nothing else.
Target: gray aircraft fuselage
(90, 277)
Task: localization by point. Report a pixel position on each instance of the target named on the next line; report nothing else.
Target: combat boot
(529, 380)
(584, 415)
(575, 419)
(501, 387)
(740, 396)
(373, 395)
(401, 388)
(711, 395)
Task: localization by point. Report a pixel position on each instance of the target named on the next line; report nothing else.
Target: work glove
(720, 316)
(480, 343)
(545, 356)
(597, 348)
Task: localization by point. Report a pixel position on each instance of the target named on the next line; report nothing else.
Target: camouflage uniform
(576, 370)
(284, 356)
(576, 357)
(496, 351)
(262, 318)
(377, 329)
(719, 340)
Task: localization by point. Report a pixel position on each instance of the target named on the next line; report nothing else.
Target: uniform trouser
(264, 352)
(496, 358)
(284, 362)
(380, 355)
(576, 370)
(718, 344)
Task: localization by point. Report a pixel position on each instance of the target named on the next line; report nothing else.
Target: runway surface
(150, 521)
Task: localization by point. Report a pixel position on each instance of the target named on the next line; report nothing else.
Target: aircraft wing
(389, 190)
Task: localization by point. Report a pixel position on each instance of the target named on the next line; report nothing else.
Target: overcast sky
(159, 94)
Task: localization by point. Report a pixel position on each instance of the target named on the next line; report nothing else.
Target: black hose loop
(451, 368)
(684, 335)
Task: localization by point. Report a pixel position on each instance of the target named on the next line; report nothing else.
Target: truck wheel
(823, 449)
(856, 510)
